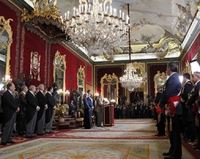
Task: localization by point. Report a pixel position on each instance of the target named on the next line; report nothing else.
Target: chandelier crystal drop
(130, 79)
(96, 26)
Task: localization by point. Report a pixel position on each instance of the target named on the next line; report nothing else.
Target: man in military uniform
(186, 88)
(193, 96)
(170, 99)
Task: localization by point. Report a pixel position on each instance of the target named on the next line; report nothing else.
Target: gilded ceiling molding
(45, 21)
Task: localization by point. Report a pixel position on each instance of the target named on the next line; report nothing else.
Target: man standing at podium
(99, 110)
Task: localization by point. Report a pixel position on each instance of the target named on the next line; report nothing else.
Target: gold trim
(42, 9)
(5, 24)
(159, 79)
(81, 77)
(15, 5)
(74, 52)
(109, 78)
(62, 66)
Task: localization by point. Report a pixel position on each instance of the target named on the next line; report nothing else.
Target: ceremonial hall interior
(117, 49)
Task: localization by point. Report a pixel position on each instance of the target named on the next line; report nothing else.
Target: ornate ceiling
(158, 27)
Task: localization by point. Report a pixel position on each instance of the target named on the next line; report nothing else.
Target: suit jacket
(51, 104)
(23, 103)
(172, 88)
(9, 106)
(32, 103)
(42, 101)
(185, 91)
(90, 102)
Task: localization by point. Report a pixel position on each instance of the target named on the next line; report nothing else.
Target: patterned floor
(48, 148)
(132, 142)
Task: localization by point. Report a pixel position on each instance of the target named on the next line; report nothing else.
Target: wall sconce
(59, 91)
(6, 80)
(112, 101)
(67, 93)
(96, 94)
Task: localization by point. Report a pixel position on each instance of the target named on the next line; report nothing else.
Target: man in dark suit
(50, 110)
(31, 111)
(90, 104)
(41, 113)
(170, 99)
(186, 88)
(10, 110)
(22, 113)
(193, 97)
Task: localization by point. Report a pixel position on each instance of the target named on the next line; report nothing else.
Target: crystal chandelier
(131, 79)
(96, 26)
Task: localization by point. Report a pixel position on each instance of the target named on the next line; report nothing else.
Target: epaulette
(189, 82)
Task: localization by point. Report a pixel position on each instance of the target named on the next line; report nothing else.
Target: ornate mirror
(159, 79)
(81, 80)
(5, 43)
(109, 87)
(59, 73)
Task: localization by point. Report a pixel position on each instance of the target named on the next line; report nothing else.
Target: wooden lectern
(109, 115)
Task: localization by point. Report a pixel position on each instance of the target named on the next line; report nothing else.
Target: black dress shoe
(48, 132)
(196, 147)
(3, 143)
(28, 136)
(33, 136)
(166, 154)
(40, 134)
(11, 142)
(172, 157)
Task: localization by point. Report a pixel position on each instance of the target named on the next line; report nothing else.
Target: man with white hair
(10, 110)
(42, 112)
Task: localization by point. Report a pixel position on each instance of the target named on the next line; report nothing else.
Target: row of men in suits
(191, 109)
(175, 104)
(35, 110)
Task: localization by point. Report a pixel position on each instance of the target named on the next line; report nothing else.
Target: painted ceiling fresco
(156, 25)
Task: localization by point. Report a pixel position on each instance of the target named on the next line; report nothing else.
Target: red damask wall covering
(25, 42)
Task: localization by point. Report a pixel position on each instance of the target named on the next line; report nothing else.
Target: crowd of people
(178, 110)
(30, 112)
(134, 110)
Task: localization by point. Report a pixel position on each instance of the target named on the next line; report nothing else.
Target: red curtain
(191, 52)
